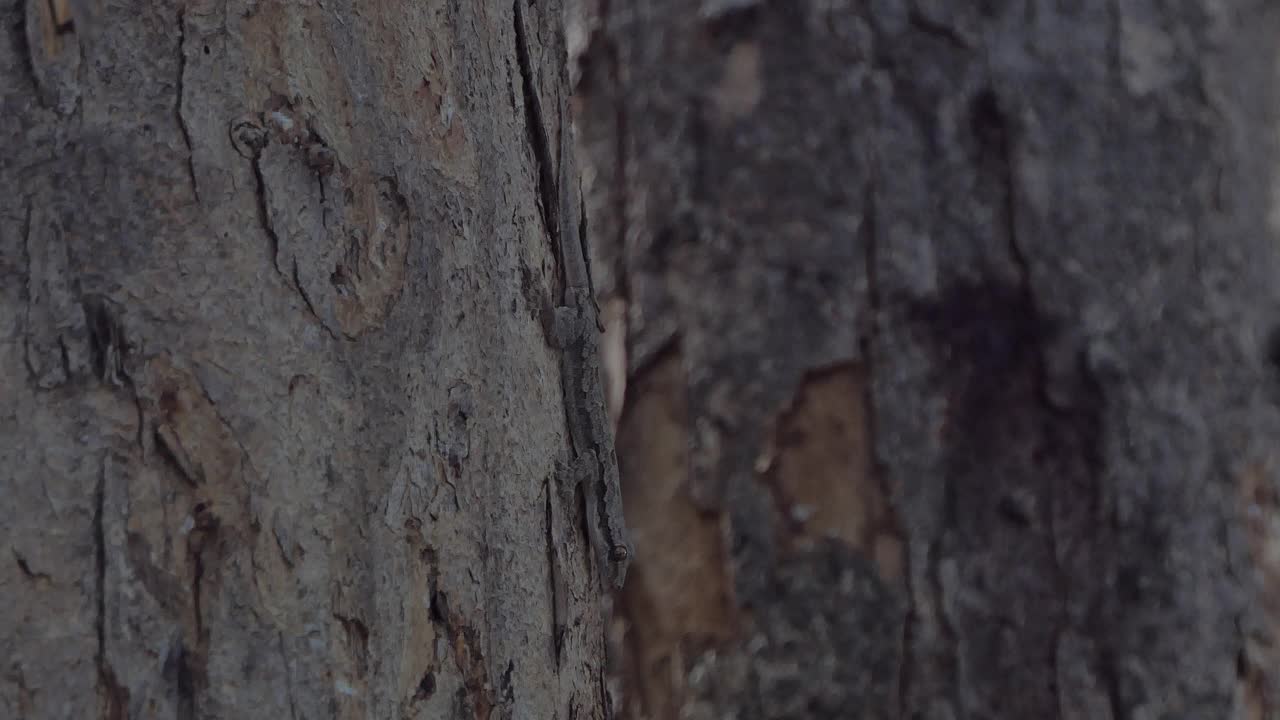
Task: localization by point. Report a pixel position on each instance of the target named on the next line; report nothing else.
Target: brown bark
(277, 417)
(968, 314)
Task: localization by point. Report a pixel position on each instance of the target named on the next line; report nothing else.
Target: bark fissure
(537, 131)
(24, 48)
(306, 301)
(183, 127)
(950, 638)
(185, 684)
(100, 565)
(27, 572)
(197, 583)
(936, 29)
(108, 346)
(1018, 254)
(1111, 680)
(469, 660)
(32, 371)
(264, 209)
(113, 699)
(554, 577)
(288, 676)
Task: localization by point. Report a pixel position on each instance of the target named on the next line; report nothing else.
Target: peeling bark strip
(262, 350)
(991, 282)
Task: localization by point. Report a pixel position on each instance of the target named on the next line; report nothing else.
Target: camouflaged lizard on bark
(574, 328)
(576, 332)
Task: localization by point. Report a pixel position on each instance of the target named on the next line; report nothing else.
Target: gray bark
(277, 418)
(946, 341)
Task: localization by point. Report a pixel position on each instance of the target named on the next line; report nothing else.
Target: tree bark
(945, 338)
(280, 428)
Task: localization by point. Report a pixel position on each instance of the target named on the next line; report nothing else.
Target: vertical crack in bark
(108, 346)
(1114, 48)
(507, 689)
(949, 635)
(559, 612)
(306, 300)
(81, 70)
(1017, 253)
(1022, 265)
(197, 578)
(469, 659)
(868, 236)
(25, 49)
(1111, 677)
(1060, 701)
(100, 565)
(264, 210)
(606, 698)
(537, 131)
(288, 676)
(584, 239)
(1240, 617)
(185, 685)
(141, 411)
(32, 371)
(113, 699)
(65, 356)
(177, 106)
(868, 338)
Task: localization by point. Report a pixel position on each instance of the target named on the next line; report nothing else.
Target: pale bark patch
(823, 471)
(741, 87)
(678, 593)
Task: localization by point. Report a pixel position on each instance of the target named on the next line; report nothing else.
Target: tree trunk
(946, 334)
(280, 426)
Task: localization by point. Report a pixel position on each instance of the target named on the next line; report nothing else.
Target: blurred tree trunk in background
(277, 416)
(947, 338)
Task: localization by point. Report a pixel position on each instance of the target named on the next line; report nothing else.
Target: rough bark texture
(948, 338)
(278, 422)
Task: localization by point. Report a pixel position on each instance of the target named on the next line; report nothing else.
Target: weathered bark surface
(948, 334)
(278, 417)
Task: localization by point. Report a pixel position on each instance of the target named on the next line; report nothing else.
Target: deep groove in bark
(288, 676)
(311, 309)
(23, 46)
(537, 131)
(177, 105)
(927, 26)
(100, 564)
(264, 210)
